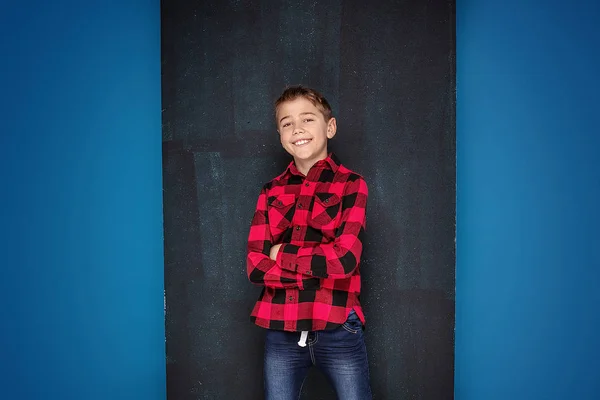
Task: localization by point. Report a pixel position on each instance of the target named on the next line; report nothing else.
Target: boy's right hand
(273, 252)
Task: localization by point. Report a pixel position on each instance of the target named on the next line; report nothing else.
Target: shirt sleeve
(340, 258)
(260, 268)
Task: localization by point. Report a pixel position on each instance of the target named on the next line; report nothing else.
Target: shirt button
(291, 298)
(307, 184)
(297, 228)
(309, 272)
(299, 205)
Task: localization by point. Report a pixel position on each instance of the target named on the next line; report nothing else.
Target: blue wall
(81, 218)
(82, 256)
(528, 264)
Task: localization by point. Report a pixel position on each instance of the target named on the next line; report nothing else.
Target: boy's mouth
(301, 142)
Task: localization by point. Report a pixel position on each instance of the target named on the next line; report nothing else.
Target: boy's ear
(331, 128)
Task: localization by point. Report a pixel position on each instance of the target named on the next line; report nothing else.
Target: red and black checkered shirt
(320, 220)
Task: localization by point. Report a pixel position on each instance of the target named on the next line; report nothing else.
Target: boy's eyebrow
(303, 113)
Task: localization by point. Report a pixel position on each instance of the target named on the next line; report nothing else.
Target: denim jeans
(339, 353)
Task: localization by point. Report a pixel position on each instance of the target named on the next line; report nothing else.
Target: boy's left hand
(274, 251)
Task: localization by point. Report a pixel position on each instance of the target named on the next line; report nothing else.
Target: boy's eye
(308, 120)
(285, 125)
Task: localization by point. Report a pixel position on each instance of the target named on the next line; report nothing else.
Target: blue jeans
(339, 353)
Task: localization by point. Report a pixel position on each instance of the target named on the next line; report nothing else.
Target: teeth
(301, 142)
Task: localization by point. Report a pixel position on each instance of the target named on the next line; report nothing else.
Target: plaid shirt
(320, 221)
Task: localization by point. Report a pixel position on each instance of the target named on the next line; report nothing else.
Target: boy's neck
(305, 165)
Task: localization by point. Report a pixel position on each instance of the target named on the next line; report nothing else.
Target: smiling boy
(304, 248)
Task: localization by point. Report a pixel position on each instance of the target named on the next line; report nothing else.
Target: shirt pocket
(325, 211)
(281, 212)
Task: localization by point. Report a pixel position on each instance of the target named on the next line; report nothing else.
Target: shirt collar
(331, 161)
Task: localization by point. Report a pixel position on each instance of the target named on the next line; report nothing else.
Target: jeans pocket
(353, 323)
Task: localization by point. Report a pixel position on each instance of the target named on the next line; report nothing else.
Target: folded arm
(339, 258)
(260, 267)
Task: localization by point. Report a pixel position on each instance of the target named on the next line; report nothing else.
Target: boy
(304, 247)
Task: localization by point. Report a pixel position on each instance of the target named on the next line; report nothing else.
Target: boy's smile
(302, 142)
(304, 132)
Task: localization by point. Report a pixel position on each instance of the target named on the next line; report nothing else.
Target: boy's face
(303, 130)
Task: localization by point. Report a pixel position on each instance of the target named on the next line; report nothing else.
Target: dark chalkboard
(388, 70)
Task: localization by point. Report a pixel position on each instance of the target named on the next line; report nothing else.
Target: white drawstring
(303, 336)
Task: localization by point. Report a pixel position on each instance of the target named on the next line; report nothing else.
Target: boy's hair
(316, 98)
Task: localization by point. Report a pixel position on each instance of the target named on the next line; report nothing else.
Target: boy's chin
(309, 157)
(306, 155)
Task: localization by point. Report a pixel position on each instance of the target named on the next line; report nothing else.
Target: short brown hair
(316, 98)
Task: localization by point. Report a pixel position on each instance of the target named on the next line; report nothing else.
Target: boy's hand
(274, 251)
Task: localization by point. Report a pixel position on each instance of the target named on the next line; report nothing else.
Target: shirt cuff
(287, 257)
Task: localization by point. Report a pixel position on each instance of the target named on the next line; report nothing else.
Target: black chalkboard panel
(388, 70)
